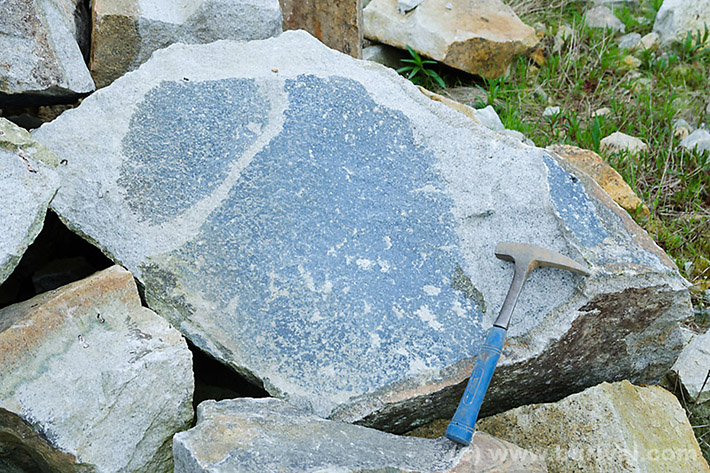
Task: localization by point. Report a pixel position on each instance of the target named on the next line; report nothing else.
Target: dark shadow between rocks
(57, 257)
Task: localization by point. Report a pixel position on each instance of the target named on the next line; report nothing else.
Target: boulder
(605, 175)
(611, 427)
(699, 141)
(477, 36)
(126, 33)
(40, 57)
(602, 17)
(28, 183)
(257, 435)
(676, 18)
(321, 226)
(619, 142)
(97, 375)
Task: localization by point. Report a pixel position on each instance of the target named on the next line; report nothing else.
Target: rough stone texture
(603, 17)
(96, 374)
(329, 230)
(336, 23)
(692, 368)
(27, 184)
(477, 36)
(126, 32)
(258, 435)
(699, 140)
(611, 427)
(606, 176)
(40, 58)
(619, 142)
(676, 18)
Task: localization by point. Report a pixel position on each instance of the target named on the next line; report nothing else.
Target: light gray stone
(603, 17)
(328, 230)
(676, 18)
(699, 140)
(630, 41)
(126, 33)
(619, 142)
(681, 128)
(692, 368)
(386, 55)
(27, 183)
(651, 41)
(97, 375)
(260, 435)
(551, 111)
(40, 57)
(489, 118)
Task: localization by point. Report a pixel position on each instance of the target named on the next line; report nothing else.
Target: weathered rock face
(676, 18)
(257, 435)
(321, 226)
(96, 374)
(39, 51)
(611, 427)
(477, 36)
(28, 183)
(126, 33)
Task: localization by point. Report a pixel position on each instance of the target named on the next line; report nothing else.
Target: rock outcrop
(95, 374)
(321, 226)
(676, 18)
(126, 33)
(477, 36)
(27, 183)
(611, 427)
(40, 57)
(258, 435)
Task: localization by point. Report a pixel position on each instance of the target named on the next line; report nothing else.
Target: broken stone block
(611, 427)
(40, 57)
(477, 36)
(28, 183)
(126, 33)
(325, 229)
(257, 435)
(97, 375)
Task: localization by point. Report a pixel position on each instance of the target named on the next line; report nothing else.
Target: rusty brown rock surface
(477, 36)
(258, 435)
(606, 176)
(78, 361)
(336, 23)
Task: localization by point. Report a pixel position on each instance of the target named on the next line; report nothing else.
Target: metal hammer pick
(526, 258)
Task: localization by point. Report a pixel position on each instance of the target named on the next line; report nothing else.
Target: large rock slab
(97, 375)
(40, 57)
(125, 33)
(257, 435)
(28, 183)
(321, 226)
(477, 36)
(676, 18)
(611, 427)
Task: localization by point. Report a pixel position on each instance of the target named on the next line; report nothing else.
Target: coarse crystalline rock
(318, 224)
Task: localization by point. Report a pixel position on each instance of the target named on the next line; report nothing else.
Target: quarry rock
(95, 374)
(692, 368)
(676, 18)
(602, 17)
(40, 57)
(257, 435)
(322, 227)
(477, 36)
(28, 183)
(125, 33)
(610, 427)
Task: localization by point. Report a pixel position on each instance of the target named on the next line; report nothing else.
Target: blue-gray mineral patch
(183, 139)
(334, 261)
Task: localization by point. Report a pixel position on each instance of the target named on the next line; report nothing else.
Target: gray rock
(28, 183)
(616, 3)
(489, 118)
(96, 374)
(603, 17)
(258, 435)
(328, 230)
(551, 111)
(385, 55)
(699, 140)
(681, 128)
(619, 142)
(676, 18)
(126, 33)
(40, 57)
(630, 41)
(692, 369)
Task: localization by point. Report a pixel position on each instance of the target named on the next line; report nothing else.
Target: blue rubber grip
(460, 428)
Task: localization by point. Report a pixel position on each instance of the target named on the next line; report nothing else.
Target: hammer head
(529, 257)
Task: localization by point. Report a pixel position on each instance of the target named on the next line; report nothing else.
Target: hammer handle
(460, 428)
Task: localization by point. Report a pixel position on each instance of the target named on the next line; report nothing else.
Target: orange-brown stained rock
(606, 176)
